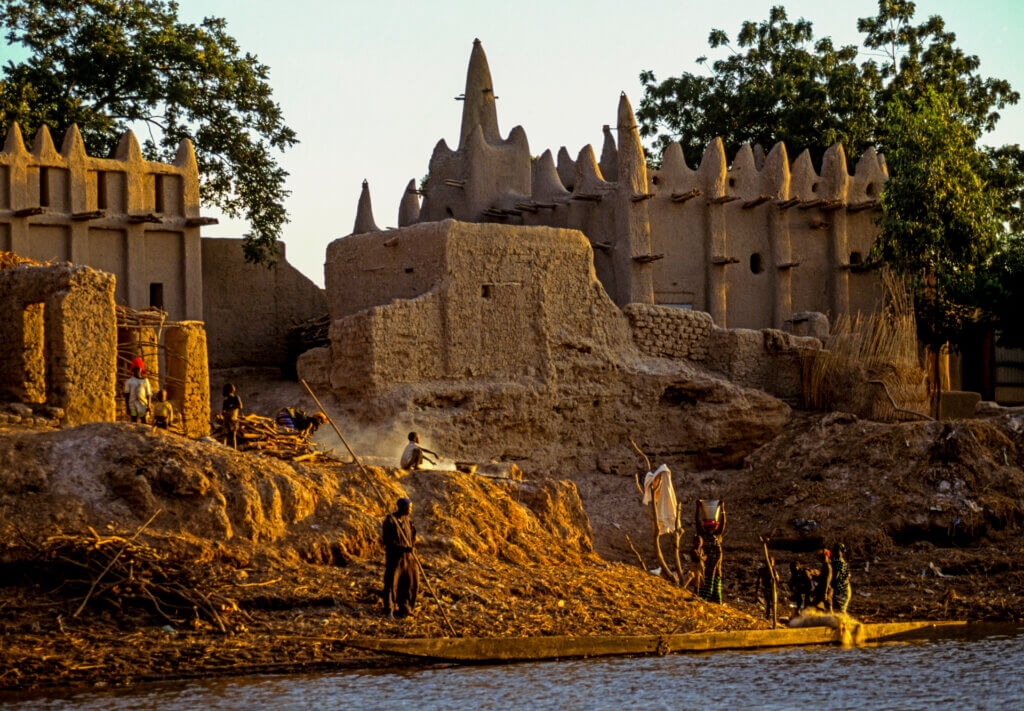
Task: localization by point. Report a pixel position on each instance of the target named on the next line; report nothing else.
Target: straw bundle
(881, 346)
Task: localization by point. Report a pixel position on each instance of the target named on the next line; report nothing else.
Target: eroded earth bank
(130, 554)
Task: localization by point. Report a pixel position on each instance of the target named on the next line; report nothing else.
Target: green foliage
(109, 65)
(939, 225)
(1004, 290)
(784, 86)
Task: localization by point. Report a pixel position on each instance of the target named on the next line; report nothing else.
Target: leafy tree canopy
(780, 83)
(939, 224)
(110, 65)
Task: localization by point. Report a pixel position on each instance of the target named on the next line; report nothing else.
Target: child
(137, 394)
(163, 411)
(230, 411)
(696, 573)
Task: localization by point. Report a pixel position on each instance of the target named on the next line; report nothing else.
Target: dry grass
(862, 347)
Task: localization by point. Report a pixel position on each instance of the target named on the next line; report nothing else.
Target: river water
(982, 669)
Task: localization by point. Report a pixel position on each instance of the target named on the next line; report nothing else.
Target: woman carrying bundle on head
(710, 520)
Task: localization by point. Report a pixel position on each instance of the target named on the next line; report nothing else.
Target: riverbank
(280, 555)
(285, 556)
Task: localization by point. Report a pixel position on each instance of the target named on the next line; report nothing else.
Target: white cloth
(411, 456)
(139, 392)
(665, 504)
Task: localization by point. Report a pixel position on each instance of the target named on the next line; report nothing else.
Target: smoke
(380, 444)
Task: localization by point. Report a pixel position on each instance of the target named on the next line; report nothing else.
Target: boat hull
(520, 649)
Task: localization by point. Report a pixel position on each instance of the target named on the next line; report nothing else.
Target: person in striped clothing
(840, 579)
(711, 533)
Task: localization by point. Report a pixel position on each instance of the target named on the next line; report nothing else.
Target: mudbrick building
(750, 243)
(761, 242)
(129, 227)
(139, 220)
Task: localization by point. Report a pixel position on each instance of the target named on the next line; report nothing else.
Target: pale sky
(369, 86)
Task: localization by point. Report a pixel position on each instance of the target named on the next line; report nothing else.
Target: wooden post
(774, 600)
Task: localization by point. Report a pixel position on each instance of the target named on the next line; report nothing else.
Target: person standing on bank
(823, 581)
(231, 411)
(137, 393)
(840, 579)
(414, 455)
(711, 532)
(401, 576)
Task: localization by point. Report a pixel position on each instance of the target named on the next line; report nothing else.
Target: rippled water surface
(983, 670)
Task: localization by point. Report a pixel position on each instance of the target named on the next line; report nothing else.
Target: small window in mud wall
(44, 186)
(487, 291)
(101, 190)
(158, 193)
(756, 263)
(156, 295)
(856, 259)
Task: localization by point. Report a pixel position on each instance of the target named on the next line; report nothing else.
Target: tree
(784, 86)
(109, 65)
(939, 225)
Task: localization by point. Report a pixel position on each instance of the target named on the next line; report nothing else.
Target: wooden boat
(521, 649)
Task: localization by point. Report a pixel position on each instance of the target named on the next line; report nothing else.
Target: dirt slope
(932, 513)
(278, 550)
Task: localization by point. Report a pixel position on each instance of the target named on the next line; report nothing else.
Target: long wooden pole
(774, 589)
(384, 503)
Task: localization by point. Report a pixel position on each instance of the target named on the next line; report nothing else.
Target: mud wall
(248, 309)
(188, 377)
(136, 219)
(467, 278)
(514, 352)
(767, 359)
(58, 340)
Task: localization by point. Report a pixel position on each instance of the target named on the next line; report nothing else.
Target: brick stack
(668, 332)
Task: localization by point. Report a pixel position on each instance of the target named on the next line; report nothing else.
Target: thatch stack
(881, 346)
(261, 435)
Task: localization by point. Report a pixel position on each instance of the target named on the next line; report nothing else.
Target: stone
(808, 323)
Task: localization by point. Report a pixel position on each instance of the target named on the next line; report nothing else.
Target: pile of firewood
(261, 435)
(126, 575)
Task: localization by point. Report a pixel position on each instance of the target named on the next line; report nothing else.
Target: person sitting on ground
(823, 583)
(292, 419)
(414, 454)
(401, 575)
(840, 579)
(768, 584)
(800, 585)
(231, 412)
(137, 393)
(163, 411)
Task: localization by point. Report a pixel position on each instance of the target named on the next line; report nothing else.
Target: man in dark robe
(401, 576)
(800, 585)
